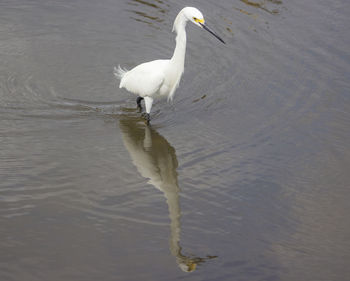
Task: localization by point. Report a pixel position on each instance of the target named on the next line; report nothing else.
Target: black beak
(212, 32)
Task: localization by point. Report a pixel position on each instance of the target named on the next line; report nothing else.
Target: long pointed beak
(210, 31)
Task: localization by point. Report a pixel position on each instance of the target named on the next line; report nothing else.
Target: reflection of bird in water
(160, 78)
(156, 160)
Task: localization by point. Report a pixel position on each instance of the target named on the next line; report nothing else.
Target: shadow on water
(155, 159)
(148, 11)
(264, 5)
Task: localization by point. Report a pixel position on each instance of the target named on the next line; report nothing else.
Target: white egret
(160, 78)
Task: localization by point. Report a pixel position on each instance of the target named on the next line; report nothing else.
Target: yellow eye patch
(198, 20)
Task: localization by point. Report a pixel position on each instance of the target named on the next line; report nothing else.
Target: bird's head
(194, 15)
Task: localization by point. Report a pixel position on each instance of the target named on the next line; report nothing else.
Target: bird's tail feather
(119, 72)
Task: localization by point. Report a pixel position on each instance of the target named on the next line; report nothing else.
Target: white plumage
(160, 78)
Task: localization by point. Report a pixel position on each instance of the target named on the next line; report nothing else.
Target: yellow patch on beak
(199, 20)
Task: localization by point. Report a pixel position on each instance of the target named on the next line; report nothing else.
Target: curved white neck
(180, 48)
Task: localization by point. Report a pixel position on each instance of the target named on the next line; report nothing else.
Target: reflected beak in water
(210, 31)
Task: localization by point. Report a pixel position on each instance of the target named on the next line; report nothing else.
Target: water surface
(243, 177)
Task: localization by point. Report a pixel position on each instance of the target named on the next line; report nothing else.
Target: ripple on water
(248, 163)
(49, 165)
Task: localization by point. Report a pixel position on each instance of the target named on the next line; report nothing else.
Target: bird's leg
(148, 104)
(147, 117)
(138, 101)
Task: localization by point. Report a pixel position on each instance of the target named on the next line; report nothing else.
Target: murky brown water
(244, 177)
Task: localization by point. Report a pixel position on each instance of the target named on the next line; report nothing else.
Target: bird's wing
(145, 79)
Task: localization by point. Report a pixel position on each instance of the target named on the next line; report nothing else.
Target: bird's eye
(194, 18)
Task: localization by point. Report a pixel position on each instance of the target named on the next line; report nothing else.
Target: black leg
(138, 101)
(147, 117)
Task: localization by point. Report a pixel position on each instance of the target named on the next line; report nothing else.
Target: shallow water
(245, 176)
